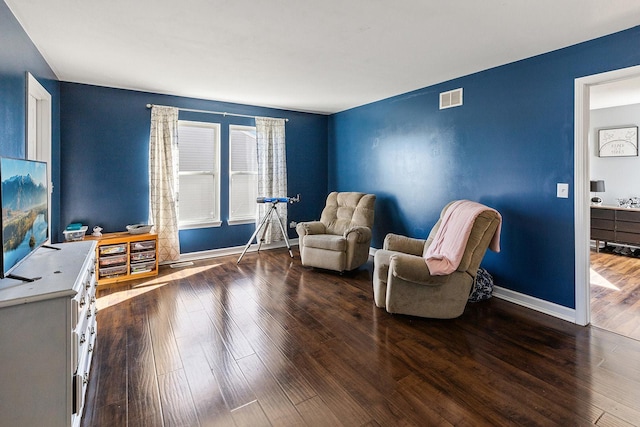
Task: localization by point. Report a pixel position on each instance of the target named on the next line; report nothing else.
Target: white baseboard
(550, 308)
(234, 250)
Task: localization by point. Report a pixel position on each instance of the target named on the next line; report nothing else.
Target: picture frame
(618, 142)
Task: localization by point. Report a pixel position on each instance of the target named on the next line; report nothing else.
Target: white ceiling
(323, 56)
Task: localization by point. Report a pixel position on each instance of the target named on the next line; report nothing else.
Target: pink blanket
(445, 252)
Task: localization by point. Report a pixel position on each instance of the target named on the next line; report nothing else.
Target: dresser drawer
(602, 213)
(628, 227)
(631, 216)
(602, 224)
(606, 235)
(630, 238)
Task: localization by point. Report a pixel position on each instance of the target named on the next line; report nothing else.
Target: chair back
(347, 209)
(482, 232)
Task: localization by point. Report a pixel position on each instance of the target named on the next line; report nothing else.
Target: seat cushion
(326, 241)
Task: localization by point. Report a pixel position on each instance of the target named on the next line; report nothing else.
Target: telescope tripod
(263, 226)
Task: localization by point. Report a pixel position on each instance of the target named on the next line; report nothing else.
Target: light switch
(563, 190)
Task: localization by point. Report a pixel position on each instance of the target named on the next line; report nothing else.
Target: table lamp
(597, 187)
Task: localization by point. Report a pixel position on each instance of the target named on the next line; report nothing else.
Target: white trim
(581, 176)
(39, 147)
(241, 221)
(534, 303)
(196, 225)
(581, 207)
(234, 250)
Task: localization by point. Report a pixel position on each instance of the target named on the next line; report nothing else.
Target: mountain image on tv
(24, 209)
(21, 193)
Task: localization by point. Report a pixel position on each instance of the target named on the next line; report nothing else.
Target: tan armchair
(340, 240)
(402, 282)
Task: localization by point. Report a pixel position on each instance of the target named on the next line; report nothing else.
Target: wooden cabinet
(124, 256)
(48, 334)
(616, 225)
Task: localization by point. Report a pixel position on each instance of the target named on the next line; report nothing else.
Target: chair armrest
(311, 227)
(404, 244)
(413, 268)
(358, 234)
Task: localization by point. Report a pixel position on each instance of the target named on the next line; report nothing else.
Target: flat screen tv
(25, 210)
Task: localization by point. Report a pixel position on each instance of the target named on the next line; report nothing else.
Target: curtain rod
(191, 110)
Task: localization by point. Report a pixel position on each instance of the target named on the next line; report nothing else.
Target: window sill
(199, 225)
(241, 221)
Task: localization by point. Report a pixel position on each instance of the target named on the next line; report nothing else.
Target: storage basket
(75, 235)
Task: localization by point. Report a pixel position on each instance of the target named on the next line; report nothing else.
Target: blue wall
(18, 55)
(105, 152)
(507, 147)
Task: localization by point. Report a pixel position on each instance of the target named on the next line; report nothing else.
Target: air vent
(453, 98)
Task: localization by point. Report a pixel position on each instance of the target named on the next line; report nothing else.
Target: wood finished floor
(615, 293)
(270, 342)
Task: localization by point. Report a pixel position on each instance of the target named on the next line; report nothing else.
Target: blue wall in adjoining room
(507, 147)
(18, 55)
(105, 156)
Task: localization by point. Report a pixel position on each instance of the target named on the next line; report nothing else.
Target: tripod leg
(253, 236)
(284, 234)
(267, 224)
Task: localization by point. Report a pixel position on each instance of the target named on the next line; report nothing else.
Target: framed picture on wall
(618, 142)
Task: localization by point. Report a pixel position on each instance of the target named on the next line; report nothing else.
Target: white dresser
(48, 335)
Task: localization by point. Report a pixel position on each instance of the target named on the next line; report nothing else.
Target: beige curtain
(272, 172)
(163, 181)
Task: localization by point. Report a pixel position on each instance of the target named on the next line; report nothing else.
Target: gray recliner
(340, 241)
(402, 282)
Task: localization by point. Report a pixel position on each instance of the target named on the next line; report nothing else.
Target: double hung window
(243, 174)
(199, 174)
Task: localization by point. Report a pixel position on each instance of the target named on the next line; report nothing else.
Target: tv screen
(25, 210)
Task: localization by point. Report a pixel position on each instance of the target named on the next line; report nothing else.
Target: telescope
(276, 200)
(267, 220)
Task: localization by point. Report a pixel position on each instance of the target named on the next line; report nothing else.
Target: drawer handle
(83, 339)
(89, 314)
(82, 302)
(92, 330)
(90, 348)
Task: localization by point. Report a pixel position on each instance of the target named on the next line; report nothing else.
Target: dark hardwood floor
(615, 293)
(269, 342)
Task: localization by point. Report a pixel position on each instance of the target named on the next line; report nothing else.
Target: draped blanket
(445, 252)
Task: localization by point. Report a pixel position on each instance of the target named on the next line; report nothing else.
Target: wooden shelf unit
(123, 256)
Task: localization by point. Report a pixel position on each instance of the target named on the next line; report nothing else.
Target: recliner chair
(402, 282)
(340, 241)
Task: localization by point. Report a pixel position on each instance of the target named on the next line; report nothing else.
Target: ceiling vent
(453, 98)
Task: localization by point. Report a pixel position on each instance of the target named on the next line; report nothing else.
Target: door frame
(581, 177)
(38, 146)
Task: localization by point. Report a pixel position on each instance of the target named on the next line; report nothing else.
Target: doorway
(608, 271)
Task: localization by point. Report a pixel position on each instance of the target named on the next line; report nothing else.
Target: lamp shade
(597, 186)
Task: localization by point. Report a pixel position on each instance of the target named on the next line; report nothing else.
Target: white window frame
(245, 219)
(213, 222)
